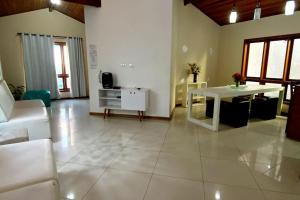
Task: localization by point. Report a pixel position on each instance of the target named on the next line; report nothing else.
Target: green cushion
(44, 95)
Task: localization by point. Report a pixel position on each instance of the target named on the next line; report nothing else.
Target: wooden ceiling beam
(219, 10)
(11, 7)
(96, 3)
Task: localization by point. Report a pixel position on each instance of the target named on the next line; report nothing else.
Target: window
(272, 60)
(295, 63)
(61, 61)
(255, 59)
(276, 59)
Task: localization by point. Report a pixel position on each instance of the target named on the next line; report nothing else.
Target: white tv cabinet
(124, 99)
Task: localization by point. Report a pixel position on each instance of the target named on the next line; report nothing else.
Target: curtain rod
(56, 36)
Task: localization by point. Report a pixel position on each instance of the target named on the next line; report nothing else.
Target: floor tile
(97, 155)
(280, 196)
(119, 185)
(178, 152)
(279, 179)
(219, 151)
(76, 180)
(64, 153)
(228, 172)
(166, 188)
(146, 142)
(179, 165)
(136, 160)
(225, 192)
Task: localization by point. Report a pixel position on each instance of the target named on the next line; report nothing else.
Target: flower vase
(237, 84)
(195, 78)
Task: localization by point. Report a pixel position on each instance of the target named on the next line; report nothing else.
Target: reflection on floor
(125, 159)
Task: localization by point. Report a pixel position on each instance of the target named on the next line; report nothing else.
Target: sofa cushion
(34, 119)
(13, 136)
(29, 114)
(6, 102)
(29, 104)
(25, 164)
(46, 191)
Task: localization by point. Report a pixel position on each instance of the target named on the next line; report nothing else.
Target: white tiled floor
(121, 158)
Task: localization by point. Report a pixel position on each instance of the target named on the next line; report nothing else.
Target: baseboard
(71, 98)
(132, 116)
(172, 113)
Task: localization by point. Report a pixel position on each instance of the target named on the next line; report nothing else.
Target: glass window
(62, 66)
(276, 59)
(57, 59)
(255, 59)
(60, 83)
(295, 63)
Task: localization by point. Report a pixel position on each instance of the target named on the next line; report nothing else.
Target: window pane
(255, 59)
(273, 94)
(57, 59)
(276, 59)
(60, 83)
(67, 60)
(295, 64)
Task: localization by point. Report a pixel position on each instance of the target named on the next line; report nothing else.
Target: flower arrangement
(195, 69)
(237, 77)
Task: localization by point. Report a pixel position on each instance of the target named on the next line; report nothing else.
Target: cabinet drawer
(133, 99)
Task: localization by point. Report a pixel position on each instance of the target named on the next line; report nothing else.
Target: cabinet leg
(139, 115)
(108, 112)
(142, 115)
(104, 113)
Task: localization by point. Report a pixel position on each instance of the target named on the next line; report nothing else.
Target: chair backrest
(6, 102)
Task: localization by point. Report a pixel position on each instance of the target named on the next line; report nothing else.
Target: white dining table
(225, 92)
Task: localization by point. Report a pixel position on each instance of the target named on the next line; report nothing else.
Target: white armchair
(30, 114)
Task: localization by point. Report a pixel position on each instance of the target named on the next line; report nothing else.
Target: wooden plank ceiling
(219, 10)
(72, 8)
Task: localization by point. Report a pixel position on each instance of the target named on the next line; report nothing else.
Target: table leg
(280, 102)
(216, 117)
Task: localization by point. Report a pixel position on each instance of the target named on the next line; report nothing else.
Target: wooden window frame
(64, 76)
(285, 80)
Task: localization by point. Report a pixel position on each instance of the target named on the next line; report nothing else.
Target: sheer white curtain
(78, 87)
(39, 63)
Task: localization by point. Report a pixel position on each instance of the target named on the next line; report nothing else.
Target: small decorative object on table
(195, 69)
(237, 77)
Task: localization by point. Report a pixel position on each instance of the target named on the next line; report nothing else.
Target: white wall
(233, 36)
(201, 35)
(137, 32)
(39, 21)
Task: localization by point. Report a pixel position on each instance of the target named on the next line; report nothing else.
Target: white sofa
(30, 114)
(28, 171)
